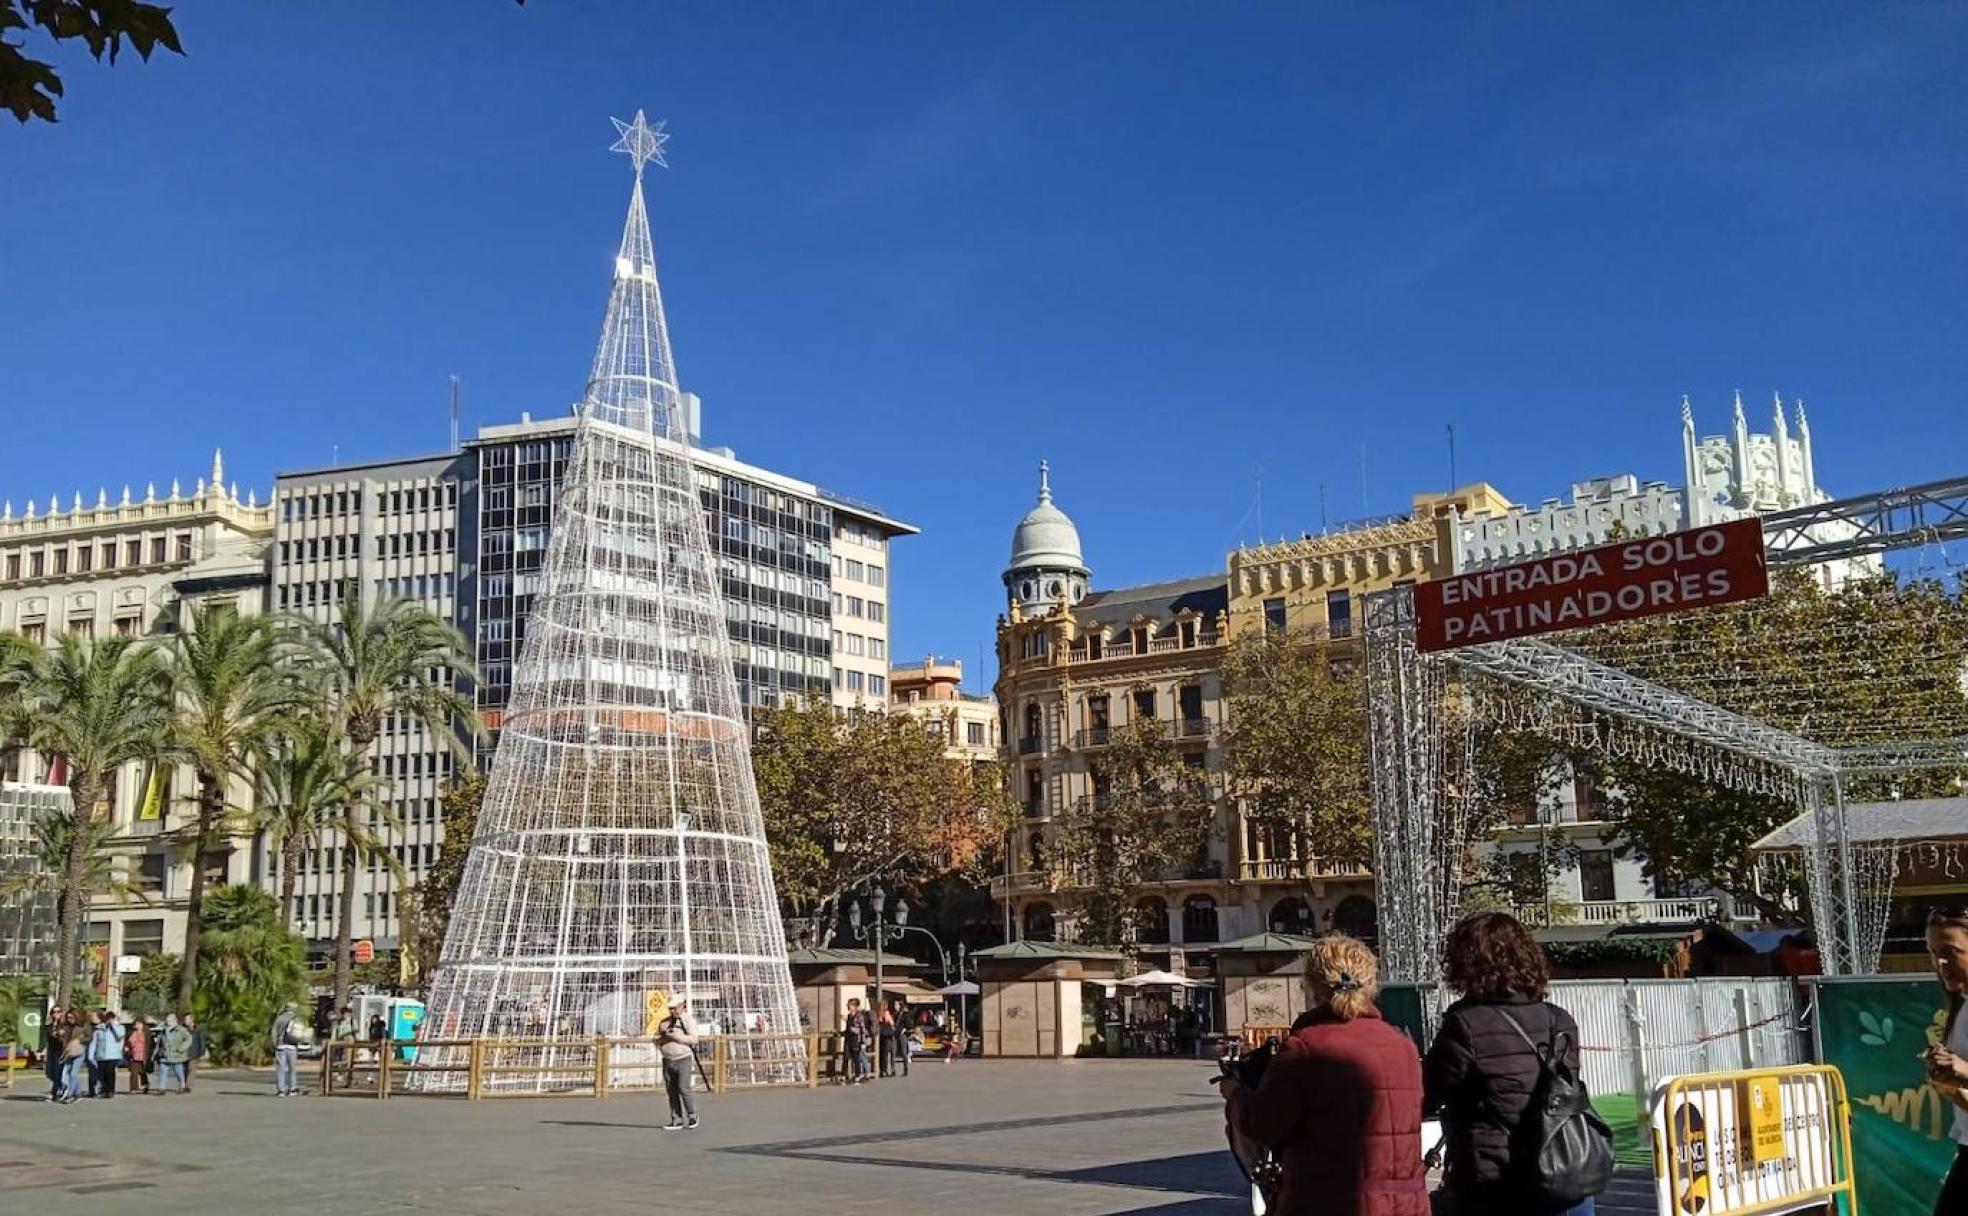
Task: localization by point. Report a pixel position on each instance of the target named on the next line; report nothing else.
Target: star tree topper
(642, 142)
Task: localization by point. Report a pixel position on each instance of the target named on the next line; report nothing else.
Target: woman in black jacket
(1480, 1073)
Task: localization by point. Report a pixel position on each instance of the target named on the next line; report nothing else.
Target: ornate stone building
(933, 691)
(1075, 663)
(132, 566)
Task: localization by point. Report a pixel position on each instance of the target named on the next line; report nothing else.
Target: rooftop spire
(218, 466)
(633, 382)
(1045, 481)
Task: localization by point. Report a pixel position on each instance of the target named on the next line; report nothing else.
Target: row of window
(856, 681)
(293, 596)
(86, 557)
(855, 644)
(860, 533)
(855, 606)
(1339, 614)
(973, 731)
(400, 544)
(331, 503)
(860, 572)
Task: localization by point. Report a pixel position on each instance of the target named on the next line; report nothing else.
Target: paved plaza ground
(1097, 1136)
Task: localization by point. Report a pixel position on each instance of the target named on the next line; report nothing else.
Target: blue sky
(909, 250)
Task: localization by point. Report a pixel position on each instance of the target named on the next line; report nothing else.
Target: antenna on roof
(454, 413)
(1364, 511)
(1322, 506)
(1452, 457)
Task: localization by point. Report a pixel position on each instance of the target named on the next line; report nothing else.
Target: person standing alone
(676, 1041)
(286, 1052)
(173, 1050)
(137, 1050)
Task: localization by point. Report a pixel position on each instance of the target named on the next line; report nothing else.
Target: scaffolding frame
(1414, 765)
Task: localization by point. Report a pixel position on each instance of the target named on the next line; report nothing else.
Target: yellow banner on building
(153, 799)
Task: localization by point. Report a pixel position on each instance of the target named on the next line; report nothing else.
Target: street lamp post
(879, 933)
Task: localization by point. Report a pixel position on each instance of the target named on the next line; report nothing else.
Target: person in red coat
(1341, 1102)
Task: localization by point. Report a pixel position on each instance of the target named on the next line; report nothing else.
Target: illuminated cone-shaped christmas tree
(620, 858)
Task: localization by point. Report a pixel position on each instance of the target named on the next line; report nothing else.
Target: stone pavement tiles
(1077, 1137)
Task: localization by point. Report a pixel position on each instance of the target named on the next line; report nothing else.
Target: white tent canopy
(960, 988)
(1161, 979)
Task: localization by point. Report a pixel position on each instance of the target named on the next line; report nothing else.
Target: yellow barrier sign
(1752, 1143)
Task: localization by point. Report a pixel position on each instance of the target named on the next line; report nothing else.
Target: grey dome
(1046, 539)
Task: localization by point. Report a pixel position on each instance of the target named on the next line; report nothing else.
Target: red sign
(363, 951)
(1623, 581)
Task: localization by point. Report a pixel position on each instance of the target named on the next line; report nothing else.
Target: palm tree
(103, 872)
(308, 779)
(393, 658)
(230, 699)
(99, 705)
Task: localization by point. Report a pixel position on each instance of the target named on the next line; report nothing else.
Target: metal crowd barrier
(1754, 1141)
(587, 1068)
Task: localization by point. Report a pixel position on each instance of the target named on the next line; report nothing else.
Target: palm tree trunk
(359, 741)
(74, 904)
(290, 861)
(211, 801)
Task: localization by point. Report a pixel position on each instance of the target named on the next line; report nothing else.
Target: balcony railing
(1027, 747)
(1195, 728)
(1291, 869)
(1093, 736)
(1126, 650)
(1604, 912)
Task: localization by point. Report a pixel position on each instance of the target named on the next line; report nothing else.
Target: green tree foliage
(1149, 819)
(29, 87)
(100, 705)
(1879, 660)
(429, 912)
(230, 701)
(1296, 743)
(393, 657)
(852, 801)
(253, 965)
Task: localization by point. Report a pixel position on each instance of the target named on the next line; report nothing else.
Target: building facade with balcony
(135, 566)
(933, 692)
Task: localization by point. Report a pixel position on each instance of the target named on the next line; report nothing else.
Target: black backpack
(1562, 1151)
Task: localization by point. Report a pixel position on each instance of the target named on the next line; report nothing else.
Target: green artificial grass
(1632, 1141)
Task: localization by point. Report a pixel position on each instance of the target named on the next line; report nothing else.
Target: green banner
(1874, 1030)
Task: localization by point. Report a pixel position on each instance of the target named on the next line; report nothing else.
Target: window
(61, 560)
(37, 564)
(1274, 614)
(184, 546)
(854, 606)
(1586, 794)
(1339, 614)
(35, 631)
(127, 626)
(1144, 703)
(149, 875)
(13, 565)
(877, 612)
(855, 570)
(876, 577)
(143, 937)
(133, 553)
(974, 734)
(1199, 919)
(109, 555)
(877, 649)
(878, 685)
(856, 682)
(1596, 875)
(156, 550)
(83, 627)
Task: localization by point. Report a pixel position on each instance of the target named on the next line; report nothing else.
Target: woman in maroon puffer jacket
(1341, 1103)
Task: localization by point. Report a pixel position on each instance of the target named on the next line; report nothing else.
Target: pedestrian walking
(1340, 1103)
(1500, 1050)
(106, 1052)
(137, 1053)
(1947, 1062)
(194, 1049)
(856, 1029)
(286, 1051)
(75, 1056)
(52, 1042)
(676, 1042)
(173, 1051)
